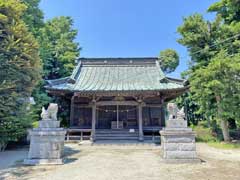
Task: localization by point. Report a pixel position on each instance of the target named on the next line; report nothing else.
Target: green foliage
(198, 35)
(41, 98)
(20, 68)
(191, 108)
(229, 10)
(169, 60)
(33, 16)
(58, 51)
(204, 134)
(57, 47)
(213, 81)
(35, 124)
(64, 110)
(214, 66)
(20, 65)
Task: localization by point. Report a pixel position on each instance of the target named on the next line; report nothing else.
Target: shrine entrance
(116, 117)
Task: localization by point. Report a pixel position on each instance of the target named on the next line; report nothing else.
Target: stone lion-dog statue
(50, 113)
(174, 112)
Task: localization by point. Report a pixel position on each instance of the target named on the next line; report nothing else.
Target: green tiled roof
(116, 74)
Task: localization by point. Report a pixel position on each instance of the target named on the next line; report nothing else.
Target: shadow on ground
(21, 171)
(68, 152)
(18, 170)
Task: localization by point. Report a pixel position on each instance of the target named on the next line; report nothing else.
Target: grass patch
(223, 145)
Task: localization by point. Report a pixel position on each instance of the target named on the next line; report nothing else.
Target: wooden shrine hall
(126, 95)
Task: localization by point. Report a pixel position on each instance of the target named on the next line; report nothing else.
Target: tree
(33, 16)
(20, 68)
(205, 40)
(58, 50)
(57, 47)
(229, 10)
(198, 36)
(169, 60)
(217, 87)
(227, 13)
(59, 53)
(34, 20)
(191, 108)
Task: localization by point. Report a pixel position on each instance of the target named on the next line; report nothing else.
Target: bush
(235, 133)
(204, 134)
(35, 124)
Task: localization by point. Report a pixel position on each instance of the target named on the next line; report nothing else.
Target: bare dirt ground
(141, 162)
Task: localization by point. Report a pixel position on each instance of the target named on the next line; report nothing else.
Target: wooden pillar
(162, 113)
(72, 111)
(140, 121)
(117, 117)
(93, 119)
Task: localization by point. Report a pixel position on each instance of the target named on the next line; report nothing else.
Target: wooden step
(116, 134)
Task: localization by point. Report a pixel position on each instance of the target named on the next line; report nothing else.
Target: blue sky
(127, 28)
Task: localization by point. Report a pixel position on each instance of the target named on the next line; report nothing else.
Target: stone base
(46, 144)
(178, 144)
(43, 162)
(49, 124)
(172, 123)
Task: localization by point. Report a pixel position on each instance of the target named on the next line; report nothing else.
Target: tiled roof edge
(60, 81)
(179, 81)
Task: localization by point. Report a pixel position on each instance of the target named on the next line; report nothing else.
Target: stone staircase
(116, 135)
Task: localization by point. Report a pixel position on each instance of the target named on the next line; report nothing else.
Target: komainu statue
(174, 112)
(177, 140)
(50, 113)
(44, 114)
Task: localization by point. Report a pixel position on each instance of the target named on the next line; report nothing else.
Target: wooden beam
(114, 103)
(153, 105)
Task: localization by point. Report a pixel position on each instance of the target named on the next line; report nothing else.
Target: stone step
(120, 136)
(125, 144)
(116, 138)
(115, 131)
(116, 134)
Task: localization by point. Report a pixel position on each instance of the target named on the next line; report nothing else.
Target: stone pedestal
(46, 143)
(178, 142)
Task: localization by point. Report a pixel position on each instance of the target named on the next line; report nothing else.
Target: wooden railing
(78, 134)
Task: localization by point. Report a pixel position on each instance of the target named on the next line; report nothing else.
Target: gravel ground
(115, 162)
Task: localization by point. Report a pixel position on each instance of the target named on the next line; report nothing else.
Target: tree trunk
(223, 123)
(225, 130)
